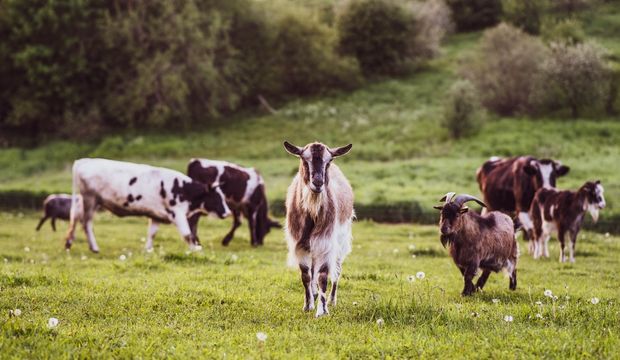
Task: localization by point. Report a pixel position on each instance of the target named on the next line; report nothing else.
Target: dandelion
(6, 260)
(380, 322)
(52, 323)
(27, 249)
(395, 251)
(555, 298)
(607, 235)
(474, 314)
(355, 303)
(539, 303)
(508, 318)
(567, 297)
(122, 257)
(495, 301)
(411, 278)
(420, 275)
(16, 312)
(548, 293)
(413, 256)
(411, 247)
(539, 316)
(84, 257)
(594, 300)
(261, 336)
(234, 257)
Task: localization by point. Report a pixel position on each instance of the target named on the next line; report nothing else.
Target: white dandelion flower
(27, 249)
(83, 257)
(6, 260)
(420, 275)
(567, 297)
(395, 251)
(17, 312)
(508, 318)
(234, 257)
(594, 300)
(411, 247)
(52, 323)
(548, 293)
(411, 278)
(122, 257)
(495, 301)
(261, 336)
(607, 234)
(355, 303)
(539, 303)
(380, 322)
(539, 316)
(413, 256)
(555, 298)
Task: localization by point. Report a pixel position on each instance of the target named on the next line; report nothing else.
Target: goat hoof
(321, 313)
(308, 307)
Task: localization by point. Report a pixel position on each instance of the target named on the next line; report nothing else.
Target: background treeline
(80, 68)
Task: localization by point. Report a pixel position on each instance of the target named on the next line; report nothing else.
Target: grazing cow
(564, 212)
(244, 190)
(128, 189)
(478, 241)
(319, 213)
(56, 206)
(509, 185)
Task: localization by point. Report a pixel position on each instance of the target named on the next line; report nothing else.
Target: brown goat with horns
(478, 242)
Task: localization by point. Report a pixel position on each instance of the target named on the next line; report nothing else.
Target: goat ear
(340, 150)
(562, 170)
(438, 207)
(292, 149)
(463, 210)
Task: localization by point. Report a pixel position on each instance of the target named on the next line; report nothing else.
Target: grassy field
(213, 304)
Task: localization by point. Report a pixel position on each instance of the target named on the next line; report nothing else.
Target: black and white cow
(56, 206)
(244, 190)
(128, 189)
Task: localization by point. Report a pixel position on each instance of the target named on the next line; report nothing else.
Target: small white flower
(539, 316)
(234, 257)
(355, 303)
(52, 323)
(122, 257)
(17, 312)
(495, 301)
(261, 336)
(411, 247)
(567, 297)
(607, 235)
(395, 251)
(548, 293)
(539, 303)
(508, 318)
(413, 256)
(594, 300)
(27, 249)
(420, 275)
(380, 322)
(411, 278)
(83, 257)
(6, 260)
(129, 254)
(555, 298)
(142, 239)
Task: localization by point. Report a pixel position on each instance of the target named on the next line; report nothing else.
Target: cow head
(545, 172)
(315, 161)
(451, 210)
(594, 199)
(205, 198)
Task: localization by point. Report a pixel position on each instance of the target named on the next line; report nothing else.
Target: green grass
(212, 304)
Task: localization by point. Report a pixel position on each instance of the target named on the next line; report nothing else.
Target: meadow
(126, 303)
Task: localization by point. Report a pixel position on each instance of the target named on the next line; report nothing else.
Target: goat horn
(448, 197)
(462, 199)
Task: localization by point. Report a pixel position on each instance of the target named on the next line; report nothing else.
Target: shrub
(525, 14)
(567, 31)
(612, 101)
(378, 33)
(462, 113)
(505, 68)
(475, 14)
(571, 6)
(574, 76)
(433, 20)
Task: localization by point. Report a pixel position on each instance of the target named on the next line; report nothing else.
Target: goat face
(315, 159)
(450, 213)
(594, 198)
(545, 172)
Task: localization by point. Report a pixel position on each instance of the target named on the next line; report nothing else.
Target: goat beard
(446, 240)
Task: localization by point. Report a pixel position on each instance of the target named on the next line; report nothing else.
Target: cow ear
(562, 170)
(194, 190)
(340, 150)
(530, 169)
(292, 149)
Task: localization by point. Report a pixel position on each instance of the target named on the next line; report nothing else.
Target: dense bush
(475, 14)
(462, 110)
(574, 76)
(525, 14)
(433, 21)
(571, 6)
(378, 33)
(505, 68)
(566, 30)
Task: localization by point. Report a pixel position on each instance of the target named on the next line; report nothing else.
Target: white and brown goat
(319, 213)
(476, 241)
(564, 212)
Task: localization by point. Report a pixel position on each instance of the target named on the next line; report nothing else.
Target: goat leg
(482, 279)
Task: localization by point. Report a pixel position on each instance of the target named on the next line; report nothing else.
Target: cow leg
(251, 212)
(468, 276)
(513, 280)
(236, 223)
(561, 238)
(53, 223)
(150, 235)
(75, 215)
(183, 226)
(526, 222)
(193, 223)
(321, 308)
(333, 298)
(306, 279)
(482, 280)
(45, 217)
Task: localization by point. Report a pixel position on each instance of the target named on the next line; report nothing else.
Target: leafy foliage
(525, 14)
(462, 110)
(472, 15)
